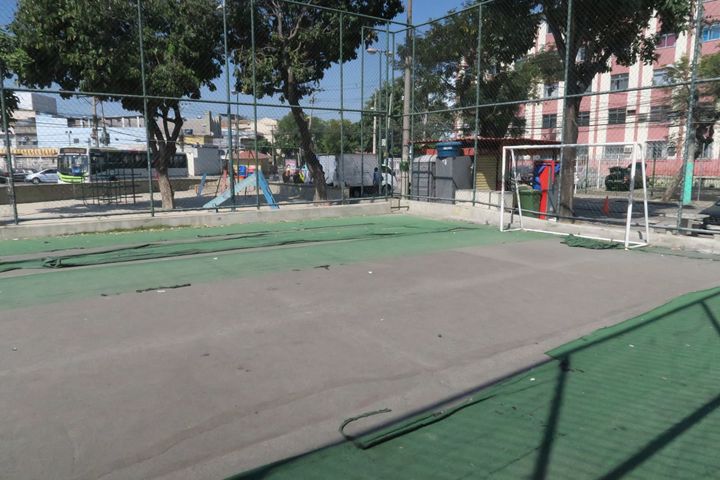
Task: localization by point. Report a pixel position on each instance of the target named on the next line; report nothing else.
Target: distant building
(643, 116)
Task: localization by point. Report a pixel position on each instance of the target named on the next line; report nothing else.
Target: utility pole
(374, 141)
(406, 152)
(95, 122)
(312, 104)
(690, 142)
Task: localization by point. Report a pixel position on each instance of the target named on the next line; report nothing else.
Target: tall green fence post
(342, 102)
(228, 99)
(255, 104)
(8, 148)
(689, 148)
(478, 78)
(146, 115)
(564, 126)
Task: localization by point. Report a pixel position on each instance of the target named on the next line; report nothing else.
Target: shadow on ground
(640, 398)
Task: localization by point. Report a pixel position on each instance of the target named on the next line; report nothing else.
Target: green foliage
(602, 30)
(446, 63)
(296, 44)
(705, 98)
(325, 134)
(6, 54)
(93, 46)
(86, 45)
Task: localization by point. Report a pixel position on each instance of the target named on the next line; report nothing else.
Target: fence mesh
(313, 96)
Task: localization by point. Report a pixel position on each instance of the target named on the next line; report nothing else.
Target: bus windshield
(73, 164)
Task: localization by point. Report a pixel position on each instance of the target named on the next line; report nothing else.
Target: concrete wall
(491, 216)
(203, 160)
(27, 193)
(188, 219)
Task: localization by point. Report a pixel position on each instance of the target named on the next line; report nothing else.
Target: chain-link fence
(149, 106)
(614, 79)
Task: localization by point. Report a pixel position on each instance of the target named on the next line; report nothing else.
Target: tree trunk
(316, 171)
(166, 191)
(163, 148)
(567, 168)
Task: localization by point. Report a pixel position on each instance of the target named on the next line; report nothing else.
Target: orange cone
(606, 207)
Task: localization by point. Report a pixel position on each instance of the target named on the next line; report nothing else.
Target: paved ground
(268, 351)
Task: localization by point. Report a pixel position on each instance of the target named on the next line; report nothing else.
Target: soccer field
(201, 353)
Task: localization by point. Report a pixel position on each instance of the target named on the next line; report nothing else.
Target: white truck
(356, 172)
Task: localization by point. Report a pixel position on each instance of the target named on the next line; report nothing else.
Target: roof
(487, 141)
(250, 155)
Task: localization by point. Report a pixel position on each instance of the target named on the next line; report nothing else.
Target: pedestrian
(377, 181)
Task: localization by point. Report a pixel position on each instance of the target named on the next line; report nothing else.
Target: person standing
(377, 181)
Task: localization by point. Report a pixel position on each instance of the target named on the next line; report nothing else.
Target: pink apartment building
(642, 116)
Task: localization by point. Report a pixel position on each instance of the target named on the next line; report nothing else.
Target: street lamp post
(388, 54)
(237, 120)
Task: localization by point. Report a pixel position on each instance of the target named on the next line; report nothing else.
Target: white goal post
(535, 173)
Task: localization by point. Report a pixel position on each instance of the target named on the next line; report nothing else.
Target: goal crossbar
(636, 157)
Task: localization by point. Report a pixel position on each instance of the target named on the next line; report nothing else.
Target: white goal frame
(637, 156)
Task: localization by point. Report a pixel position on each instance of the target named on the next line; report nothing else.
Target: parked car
(19, 174)
(49, 175)
(713, 215)
(619, 178)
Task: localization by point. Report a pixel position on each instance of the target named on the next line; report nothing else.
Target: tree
(6, 54)
(446, 69)
(92, 46)
(706, 111)
(295, 45)
(600, 31)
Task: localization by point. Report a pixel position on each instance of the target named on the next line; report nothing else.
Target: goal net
(609, 191)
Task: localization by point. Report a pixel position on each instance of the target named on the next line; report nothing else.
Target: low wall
(49, 192)
(44, 228)
(488, 199)
(491, 216)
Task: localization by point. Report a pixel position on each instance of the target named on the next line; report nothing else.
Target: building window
(657, 150)
(549, 120)
(619, 81)
(581, 55)
(614, 152)
(711, 32)
(550, 90)
(659, 113)
(583, 119)
(667, 40)
(616, 116)
(581, 153)
(660, 77)
(706, 150)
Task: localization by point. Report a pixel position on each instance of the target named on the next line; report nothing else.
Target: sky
(328, 96)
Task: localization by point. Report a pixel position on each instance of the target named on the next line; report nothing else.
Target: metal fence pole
(380, 108)
(8, 148)
(477, 103)
(342, 100)
(228, 99)
(145, 109)
(564, 126)
(411, 147)
(407, 105)
(688, 150)
(255, 103)
(389, 55)
(362, 104)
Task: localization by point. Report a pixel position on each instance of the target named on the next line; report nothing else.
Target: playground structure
(254, 180)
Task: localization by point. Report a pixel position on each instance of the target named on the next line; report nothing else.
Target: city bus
(81, 164)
